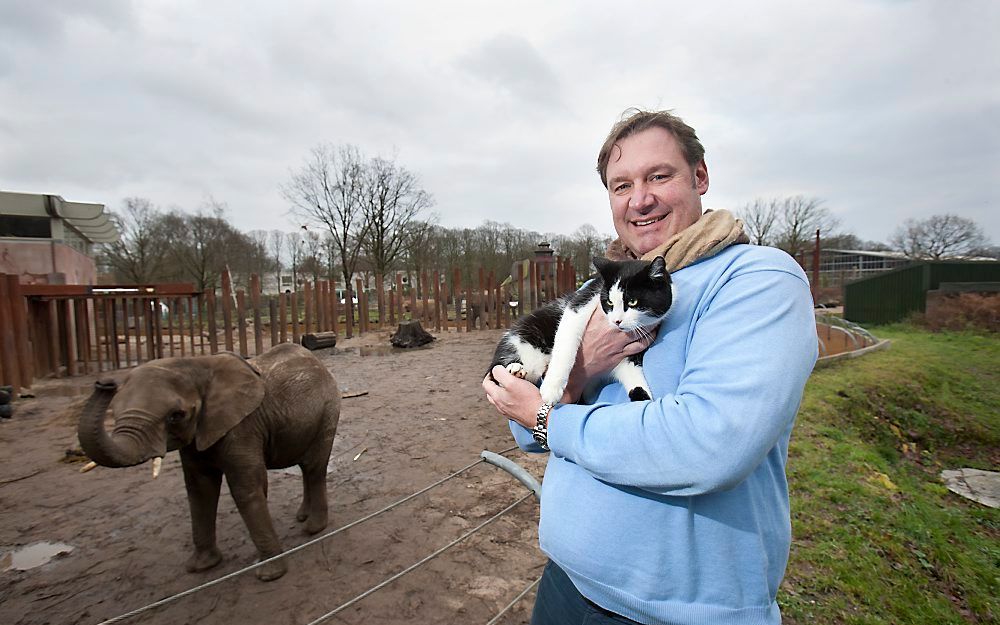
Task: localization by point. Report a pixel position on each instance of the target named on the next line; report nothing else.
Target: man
(673, 510)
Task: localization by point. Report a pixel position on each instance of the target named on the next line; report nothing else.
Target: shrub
(961, 311)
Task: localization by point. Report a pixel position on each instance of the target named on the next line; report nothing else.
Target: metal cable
(496, 619)
(191, 591)
(420, 563)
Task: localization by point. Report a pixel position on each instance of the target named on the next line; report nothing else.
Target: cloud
(883, 109)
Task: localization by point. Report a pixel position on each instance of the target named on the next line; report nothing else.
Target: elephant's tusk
(88, 467)
(157, 463)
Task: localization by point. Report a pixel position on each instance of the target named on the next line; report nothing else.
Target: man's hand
(513, 397)
(602, 348)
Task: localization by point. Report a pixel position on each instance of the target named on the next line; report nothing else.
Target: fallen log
(319, 340)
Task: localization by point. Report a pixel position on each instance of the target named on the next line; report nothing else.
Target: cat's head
(636, 292)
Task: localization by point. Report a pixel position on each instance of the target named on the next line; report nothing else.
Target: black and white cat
(632, 293)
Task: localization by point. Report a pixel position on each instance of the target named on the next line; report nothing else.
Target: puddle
(33, 555)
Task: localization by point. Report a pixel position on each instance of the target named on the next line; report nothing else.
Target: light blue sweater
(675, 510)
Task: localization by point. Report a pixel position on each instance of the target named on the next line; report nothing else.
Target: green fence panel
(891, 296)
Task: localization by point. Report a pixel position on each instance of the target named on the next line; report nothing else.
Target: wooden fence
(68, 330)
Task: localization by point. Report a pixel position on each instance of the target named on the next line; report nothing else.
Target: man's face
(654, 192)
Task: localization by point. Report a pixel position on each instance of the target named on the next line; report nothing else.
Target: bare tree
(938, 236)
(759, 219)
(258, 260)
(585, 243)
(276, 244)
(312, 249)
(799, 218)
(328, 191)
(296, 251)
(138, 255)
(391, 199)
(203, 244)
(420, 249)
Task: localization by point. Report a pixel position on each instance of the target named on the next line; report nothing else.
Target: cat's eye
(633, 302)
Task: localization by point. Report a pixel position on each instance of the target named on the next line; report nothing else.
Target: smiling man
(675, 509)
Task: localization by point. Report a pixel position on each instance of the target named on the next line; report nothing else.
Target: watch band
(541, 430)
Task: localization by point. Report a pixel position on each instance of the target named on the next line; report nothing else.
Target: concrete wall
(45, 262)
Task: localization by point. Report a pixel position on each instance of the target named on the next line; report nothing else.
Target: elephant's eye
(175, 417)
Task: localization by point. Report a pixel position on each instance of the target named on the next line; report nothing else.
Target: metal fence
(891, 296)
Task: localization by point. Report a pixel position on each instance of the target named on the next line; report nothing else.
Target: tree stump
(410, 334)
(319, 340)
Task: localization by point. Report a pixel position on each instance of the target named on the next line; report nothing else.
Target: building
(45, 239)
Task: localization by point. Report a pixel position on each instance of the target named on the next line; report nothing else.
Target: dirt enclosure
(424, 417)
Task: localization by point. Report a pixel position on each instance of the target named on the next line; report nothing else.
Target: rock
(975, 484)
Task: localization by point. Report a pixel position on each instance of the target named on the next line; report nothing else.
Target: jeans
(558, 602)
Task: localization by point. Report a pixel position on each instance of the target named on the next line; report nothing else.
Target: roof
(89, 219)
(895, 255)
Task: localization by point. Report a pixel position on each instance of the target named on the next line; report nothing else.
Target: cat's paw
(517, 370)
(638, 394)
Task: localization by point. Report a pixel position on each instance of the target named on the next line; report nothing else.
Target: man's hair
(634, 121)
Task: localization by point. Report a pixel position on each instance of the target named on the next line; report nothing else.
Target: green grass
(877, 538)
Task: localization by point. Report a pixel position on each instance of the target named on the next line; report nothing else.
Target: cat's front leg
(629, 373)
(564, 348)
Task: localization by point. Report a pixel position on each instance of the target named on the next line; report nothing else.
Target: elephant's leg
(249, 486)
(203, 486)
(314, 506)
(303, 512)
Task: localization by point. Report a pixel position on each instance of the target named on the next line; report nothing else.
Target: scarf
(713, 232)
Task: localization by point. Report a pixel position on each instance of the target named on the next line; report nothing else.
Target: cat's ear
(602, 264)
(658, 268)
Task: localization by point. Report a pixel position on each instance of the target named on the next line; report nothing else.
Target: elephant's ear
(235, 390)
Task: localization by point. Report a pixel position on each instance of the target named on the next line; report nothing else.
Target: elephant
(226, 416)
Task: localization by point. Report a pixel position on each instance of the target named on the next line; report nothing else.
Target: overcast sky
(884, 109)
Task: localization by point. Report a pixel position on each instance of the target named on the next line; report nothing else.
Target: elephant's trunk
(96, 442)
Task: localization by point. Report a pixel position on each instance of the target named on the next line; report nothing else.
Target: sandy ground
(423, 418)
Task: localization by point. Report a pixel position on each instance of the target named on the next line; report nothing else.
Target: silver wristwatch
(541, 430)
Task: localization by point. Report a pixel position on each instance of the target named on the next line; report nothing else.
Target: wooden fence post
(362, 307)
(293, 315)
(227, 309)
(413, 300)
(380, 297)
(213, 336)
(283, 316)
(348, 310)
(258, 336)
(10, 370)
(437, 300)
(69, 336)
(320, 310)
(201, 321)
(241, 321)
(456, 292)
(399, 297)
(307, 304)
(331, 291)
(19, 325)
(170, 323)
(191, 313)
(272, 314)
